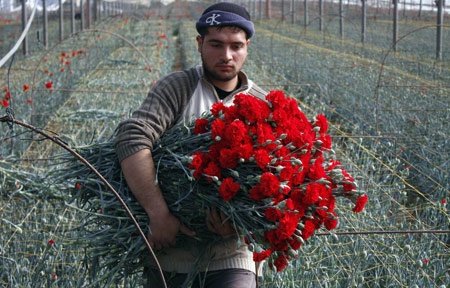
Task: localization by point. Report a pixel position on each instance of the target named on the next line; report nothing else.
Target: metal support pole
(395, 30)
(88, 14)
(305, 15)
(341, 18)
(282, 11)
(72, 16)
(24, 24)
(320, 15)
(363, 21)
(82, 14)
(95, 10)
(268, 9)
(45, 16)
(260, 10)
(440, 22)
(61, 25)
(293, 11)
(420, 8)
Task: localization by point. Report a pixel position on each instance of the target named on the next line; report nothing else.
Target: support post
(88, 14)
(293, 11)
(24, 24)
(72, 16)
(420, 8)
(440, 23)
(395, 30)
(82, 14)
(341, 18)
(61, 24)
(320, 15)
(260, 9)
(363, 21)
(45, 16)
(282, 11)
(268, 9)
(95, 10)
(305, 14)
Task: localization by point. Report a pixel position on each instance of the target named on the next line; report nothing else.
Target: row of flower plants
(409, 260)
(111, 83)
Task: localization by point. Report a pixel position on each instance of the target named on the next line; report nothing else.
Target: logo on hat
(211, 20)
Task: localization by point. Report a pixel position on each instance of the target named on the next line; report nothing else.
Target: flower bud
(316, 129)
(304, 151)
(235, 173)
(217, 138)
(283, 136)
(279, 168)
(297, 162)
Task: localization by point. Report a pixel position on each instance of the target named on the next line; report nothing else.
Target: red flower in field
(5, 103)
(51, 74)
(51, 242)
(62, 69)
(78, 186)
(25, 87)
(443, 201)
(426, 261)
(74, 53)
(360, 203)
(54, 276)
(67, 63)
(28, 100)
(45, 71)
(49, 84)
(228, 189)
(63, 54)
(167, 46)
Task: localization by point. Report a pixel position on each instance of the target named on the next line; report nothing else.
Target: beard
(213, 75)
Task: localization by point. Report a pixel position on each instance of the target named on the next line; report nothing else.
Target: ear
(248, 42)
(199, 43)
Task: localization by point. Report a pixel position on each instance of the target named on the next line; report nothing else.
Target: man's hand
(216, 224)
(164, 229)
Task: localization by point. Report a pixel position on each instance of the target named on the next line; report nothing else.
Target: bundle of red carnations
(270, 153)
(262, 163)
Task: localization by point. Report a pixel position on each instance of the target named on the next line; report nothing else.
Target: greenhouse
(370, 80)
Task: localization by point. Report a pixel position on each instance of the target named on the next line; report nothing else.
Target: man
(225, 30)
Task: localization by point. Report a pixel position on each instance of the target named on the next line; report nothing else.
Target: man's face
(223, 52)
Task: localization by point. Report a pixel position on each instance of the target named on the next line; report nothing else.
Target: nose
(226, 54)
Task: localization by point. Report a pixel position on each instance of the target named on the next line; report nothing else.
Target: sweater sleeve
(165, 101)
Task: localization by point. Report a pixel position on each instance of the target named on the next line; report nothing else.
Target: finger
(211, 227)
(185, 230)
(215, 216)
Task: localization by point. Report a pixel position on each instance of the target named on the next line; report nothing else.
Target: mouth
(225, 67)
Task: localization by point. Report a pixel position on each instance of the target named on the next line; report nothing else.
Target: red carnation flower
(322, 123)
(25, 87)
(201, 126)
(262, 158)
(212, 170)
(216, 108)
(272, 214)
(330, 223)
(49, 84)
(51, 242)
(280, 263)
(218, 129)
(228, 189)
(360, 203)
(261, 256)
